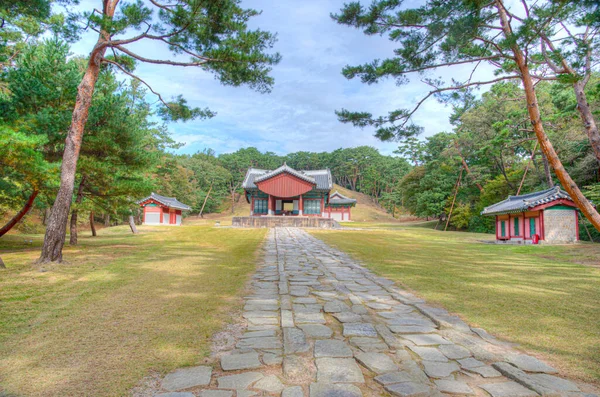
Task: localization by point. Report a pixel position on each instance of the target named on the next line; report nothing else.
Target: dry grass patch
(122, 307)
(541, 297)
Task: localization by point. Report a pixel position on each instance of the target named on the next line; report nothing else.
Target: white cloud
(309, 87)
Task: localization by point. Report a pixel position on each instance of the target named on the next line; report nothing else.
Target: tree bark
(106, 220)
(15, 219)
(534, 115)
(588, 118)
(54, 238)
(232, 200)
(92, 226)
(205, 200)
(132, 225)
(549, 180)
(466, 166)
(2, 265)
(74, 213)
(46, 216)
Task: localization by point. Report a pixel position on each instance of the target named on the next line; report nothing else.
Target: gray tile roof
(524, 202)
(170, 202)
(320, 178)
(341, 200)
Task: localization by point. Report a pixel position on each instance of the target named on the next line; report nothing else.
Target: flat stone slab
(470, 362)
(359, 329)
(338, 370)
(293, 391)
(294, 341)
(316, 330)
(429, 353)
(368, 344)
(454, 352)
(309, 318)
(393, 377)
(332, 348)
(543, 384)
(508, 389)
(486, 372)
(175, 394)
(235, 362)
(216, 393)
(411, 329)
(377, 362)
(348, 317)
(272, 359)
(287, 319)
(530, 364)
(299, 290)
(435, 369)
(270, 384)
(238, 381)
(267, 342)
(259, 334)
(334, 390)
(408, 389)
(184, 378)
(454, 387)
(336, 307)
(427, 339)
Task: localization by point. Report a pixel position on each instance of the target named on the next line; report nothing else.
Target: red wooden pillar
(270, 205)
(252, 206)
(542, 229)
(301, 206)
(349, 212)
(329, 210)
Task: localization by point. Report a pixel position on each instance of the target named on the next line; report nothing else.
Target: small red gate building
(550, 214)
(161, 210)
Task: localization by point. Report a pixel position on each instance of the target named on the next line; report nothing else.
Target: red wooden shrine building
(288, 192)
(161, 210)
(551, 215)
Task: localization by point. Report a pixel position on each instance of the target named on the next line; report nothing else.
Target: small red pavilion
(550, 214)
(289, 192)
(161, 210)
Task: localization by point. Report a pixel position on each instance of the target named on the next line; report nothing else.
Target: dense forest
(127, 151)
(489, 155)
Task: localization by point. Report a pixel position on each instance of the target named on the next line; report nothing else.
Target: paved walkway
(320, 325)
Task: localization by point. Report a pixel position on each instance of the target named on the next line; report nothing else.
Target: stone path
(320, 325)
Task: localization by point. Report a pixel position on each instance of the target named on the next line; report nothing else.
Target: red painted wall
(285, 185)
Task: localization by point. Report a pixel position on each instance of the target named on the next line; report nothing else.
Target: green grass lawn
(546, 298)
(121, 307)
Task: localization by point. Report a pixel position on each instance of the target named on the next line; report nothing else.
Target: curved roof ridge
(288, 169)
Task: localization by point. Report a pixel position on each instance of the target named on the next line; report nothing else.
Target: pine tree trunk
(92, 226)
(15, 219)
(74, 213)
(107, 220)
(547, 173)
(232, 201)
(205, 200)
(132, 225)
(46, 216)
(588, 118)
(54, 239)
(2, 265)
(534, 115)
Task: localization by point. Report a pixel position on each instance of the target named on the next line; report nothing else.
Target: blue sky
(299, 112)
